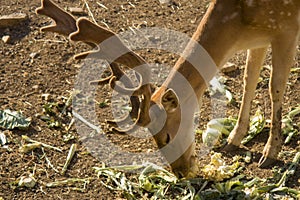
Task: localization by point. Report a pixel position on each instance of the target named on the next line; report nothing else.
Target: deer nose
(179, 174)
(190, 173)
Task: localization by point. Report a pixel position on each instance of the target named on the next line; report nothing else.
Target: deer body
(227, 27)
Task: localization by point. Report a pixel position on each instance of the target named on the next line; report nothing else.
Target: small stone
(228, 67)
(165, 1)
(3, 139)
(25, 74)
(77, 11)
(45, 97)
(33, 55)
(28, 182)
(6, 39)
(12, 19)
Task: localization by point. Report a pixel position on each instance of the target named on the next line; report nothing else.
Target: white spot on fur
(272, 20)
(249, 3)
(232, 16)
(219, 8)
(286, 2)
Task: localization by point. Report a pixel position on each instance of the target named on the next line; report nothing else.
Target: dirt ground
(37, 69)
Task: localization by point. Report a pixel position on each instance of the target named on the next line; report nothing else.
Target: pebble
(35, 87)
(46, 96)
(33, 55)
(6, 39)
(165, 1)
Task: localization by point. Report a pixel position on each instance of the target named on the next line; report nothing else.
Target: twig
(131, 4)
(101, 5)
(70, 124)
(49, 163)
(27, 139)
(105, 24)
(90, 13)
(78, 116)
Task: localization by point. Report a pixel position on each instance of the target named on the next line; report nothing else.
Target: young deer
(227, 27)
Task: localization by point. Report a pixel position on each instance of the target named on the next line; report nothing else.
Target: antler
(112, 49)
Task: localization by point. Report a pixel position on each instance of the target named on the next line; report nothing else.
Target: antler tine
(117, 73)
(134, 113)
(102, 81)
(126, 91)
(139, 112)
(130, 129)
(64, 22)
(142, 119)
(87, 31)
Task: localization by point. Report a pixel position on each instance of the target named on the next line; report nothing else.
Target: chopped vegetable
(13, 119)
(218, 170)
(216, 128)
(69, 158)
(27, 139)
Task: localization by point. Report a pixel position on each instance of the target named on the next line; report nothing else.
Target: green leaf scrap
(13, 119)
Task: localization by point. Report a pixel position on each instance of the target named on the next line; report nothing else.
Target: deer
(228, 26)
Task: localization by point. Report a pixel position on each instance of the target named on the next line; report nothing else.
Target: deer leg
(255, 60)
(284, 51)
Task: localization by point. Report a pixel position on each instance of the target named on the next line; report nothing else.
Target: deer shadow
(16, 32)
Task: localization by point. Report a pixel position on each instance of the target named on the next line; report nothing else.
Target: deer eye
(168, 139)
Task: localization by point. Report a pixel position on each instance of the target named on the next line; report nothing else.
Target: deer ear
(170, 101)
